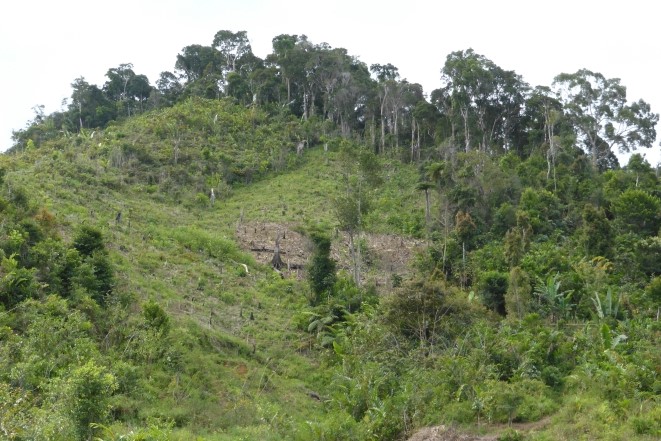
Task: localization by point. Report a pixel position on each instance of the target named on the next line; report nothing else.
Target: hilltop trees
(126, 88)
(89, 107)
(481, 100)
(597, 107)
(479, 105)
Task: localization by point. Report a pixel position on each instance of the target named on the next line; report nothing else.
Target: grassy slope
(233, 377)
(238, 377)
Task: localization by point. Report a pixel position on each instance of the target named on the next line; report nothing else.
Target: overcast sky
(46, 44)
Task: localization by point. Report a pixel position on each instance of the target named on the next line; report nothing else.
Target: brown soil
(384, 255)
(443, 433)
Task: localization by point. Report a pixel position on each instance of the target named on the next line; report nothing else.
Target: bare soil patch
(382, 254)
(444, 433)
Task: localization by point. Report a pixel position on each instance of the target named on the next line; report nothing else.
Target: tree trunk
(277, 262)
(288, 90)
(413, 149)
(467, 136)
(383, 120)
(427, 208)
(354, 258)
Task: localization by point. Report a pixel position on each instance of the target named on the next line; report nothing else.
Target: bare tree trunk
(354, 258)
(418, 146)
(305, 106)
(277, 262)
(383, 120)
(288, 90)
(467, 136)
(396, 129)
(427, 208)
(413, 140)
(373, 131)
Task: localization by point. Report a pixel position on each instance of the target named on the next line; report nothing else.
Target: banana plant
(609, 307)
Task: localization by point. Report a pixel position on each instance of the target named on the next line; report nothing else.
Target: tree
(196, 60)
(542, 120)
(653, 295)
(125, 87)
(89, 390)
(16, 283)
(290, 55)
(595, 233)
(465, 228)
(232, 46)
(360, 174)
(89, 106)
(387, 76)
(482, 97)
(169, 87)
(638, 212)
(597, 107)
(118, 80)
(517, 298)
(492, 287)
(321, 271)
(88, 240)
(553, 301)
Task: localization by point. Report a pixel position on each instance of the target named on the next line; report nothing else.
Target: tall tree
(290, 56)
(127, 88)
(195, 60)
(231, 46)
(387, 76)
(360, 175)
(169, 87)
(89, 107)
(598, 109)
(486, 99)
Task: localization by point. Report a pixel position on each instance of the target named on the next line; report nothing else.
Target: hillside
(218, 268)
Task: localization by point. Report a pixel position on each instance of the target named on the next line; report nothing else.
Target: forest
(305, 247)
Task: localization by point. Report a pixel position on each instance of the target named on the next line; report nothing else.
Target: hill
(215, 268)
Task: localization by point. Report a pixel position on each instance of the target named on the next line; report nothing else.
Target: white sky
(46, 44)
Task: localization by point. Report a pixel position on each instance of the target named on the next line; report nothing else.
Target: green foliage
(638, 212)
(595, 233)
(518, 299)
(609, 306)
(543, 209)
(492, 287)
(321, 270)
(648, 255)
(88, 390)
(213, 245)
(552, 300)
(653, 291)
(159, 326)
(16, 284)
(88, 240)
(155, 317)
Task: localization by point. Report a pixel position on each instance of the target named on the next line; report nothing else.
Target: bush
(321, 271)
(88, 240)
(492, 288)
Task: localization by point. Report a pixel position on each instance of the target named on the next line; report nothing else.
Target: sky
(46, 44)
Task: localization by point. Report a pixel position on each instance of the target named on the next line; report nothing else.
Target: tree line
(477, 106)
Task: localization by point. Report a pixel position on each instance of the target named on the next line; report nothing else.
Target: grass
(238, 377)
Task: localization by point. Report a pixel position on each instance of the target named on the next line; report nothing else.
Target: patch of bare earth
(443, 433)
(383, 254)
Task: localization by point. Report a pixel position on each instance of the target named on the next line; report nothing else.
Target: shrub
(88, 240)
